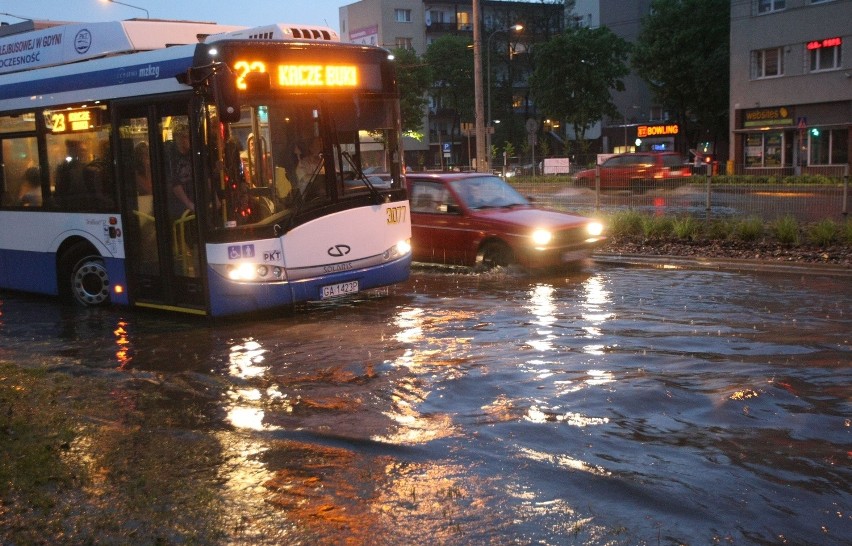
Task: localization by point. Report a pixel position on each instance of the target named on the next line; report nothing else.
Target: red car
(637, 172)
(478, 219)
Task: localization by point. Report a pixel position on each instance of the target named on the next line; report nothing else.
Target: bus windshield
(286, 157)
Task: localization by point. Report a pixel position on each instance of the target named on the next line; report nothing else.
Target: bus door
(161, 231)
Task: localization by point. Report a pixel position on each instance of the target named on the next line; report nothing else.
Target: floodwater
(610, 405)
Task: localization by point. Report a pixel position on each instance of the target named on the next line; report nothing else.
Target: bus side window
(21, 176)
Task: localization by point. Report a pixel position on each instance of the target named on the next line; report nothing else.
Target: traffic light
(815, 132)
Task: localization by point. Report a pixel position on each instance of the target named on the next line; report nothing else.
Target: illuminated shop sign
(762, 117)
(828, 42)
(645, 131)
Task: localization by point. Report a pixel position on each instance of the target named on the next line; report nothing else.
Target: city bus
(202, 168)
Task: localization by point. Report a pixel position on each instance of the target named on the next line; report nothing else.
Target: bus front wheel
(83, 277)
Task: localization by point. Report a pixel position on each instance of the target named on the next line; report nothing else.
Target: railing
(807, 198)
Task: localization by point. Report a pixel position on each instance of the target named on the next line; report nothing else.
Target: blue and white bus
(196, 167)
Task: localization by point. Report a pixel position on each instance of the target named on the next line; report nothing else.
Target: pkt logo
(339, 250)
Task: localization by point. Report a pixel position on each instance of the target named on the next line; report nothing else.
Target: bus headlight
(400, 249)
(594, 228)
(541, 237)
(242, 272)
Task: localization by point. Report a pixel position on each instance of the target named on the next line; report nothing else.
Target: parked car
(478, 219)
(637, 171)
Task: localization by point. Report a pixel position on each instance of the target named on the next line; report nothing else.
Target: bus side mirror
(225, 94)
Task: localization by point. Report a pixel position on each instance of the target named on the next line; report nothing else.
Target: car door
(440, 232)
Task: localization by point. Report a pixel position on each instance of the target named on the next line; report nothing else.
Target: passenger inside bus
(70, 188)
(309, 154)
(179, 172)
(30, 193)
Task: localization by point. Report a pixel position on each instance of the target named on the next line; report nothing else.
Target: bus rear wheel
(84, 276)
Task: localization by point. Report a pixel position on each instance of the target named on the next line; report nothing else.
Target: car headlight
(541, 237)
(594, 228)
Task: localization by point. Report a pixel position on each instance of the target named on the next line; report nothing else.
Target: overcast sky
(236, 12)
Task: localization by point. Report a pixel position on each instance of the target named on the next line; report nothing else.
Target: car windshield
(487, 192)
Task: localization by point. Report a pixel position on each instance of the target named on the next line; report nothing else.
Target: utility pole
(481, 153)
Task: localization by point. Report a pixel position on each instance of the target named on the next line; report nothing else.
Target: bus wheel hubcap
(91, 283)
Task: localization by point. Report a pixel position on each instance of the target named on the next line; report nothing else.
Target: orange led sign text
(644, 131)
(300, 75)
(72, 120)
(828, 42)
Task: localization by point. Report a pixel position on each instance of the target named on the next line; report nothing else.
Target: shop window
(764, 149)
(767, 63)
(828, 147)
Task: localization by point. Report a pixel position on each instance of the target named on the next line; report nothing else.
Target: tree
(574, 75)
(413, 76)
(451, 62)
(683, 54)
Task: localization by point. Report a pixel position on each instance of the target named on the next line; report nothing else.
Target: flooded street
(611, 405)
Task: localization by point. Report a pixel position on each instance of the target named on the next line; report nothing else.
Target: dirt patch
(838, 255)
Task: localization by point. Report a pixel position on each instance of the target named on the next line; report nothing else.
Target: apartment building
(791, 86)
(417, 23)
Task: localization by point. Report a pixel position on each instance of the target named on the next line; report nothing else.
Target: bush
(657, 226)
(786, 230)
(626, 224)
(748, 229)
(686, 228)
(719, 230)
(824, 233)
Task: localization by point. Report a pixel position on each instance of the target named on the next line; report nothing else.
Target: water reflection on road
(609, 405)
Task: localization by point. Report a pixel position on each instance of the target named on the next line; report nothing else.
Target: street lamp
(517, 28)
(147, 15)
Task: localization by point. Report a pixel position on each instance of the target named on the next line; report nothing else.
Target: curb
(726, 264)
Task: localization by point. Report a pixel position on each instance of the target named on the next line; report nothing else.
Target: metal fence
(806, 198)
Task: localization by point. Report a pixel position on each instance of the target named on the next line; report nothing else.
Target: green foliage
(450, 60)
(748, 229)
(786, 230)
(626, 224)
(824, 233)
(719, 230)
(575, 74)
(847, 231)
(682, 52)
(686, 228)
(414, 77)
(657, 227)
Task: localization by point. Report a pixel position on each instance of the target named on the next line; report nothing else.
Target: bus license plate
(339, 289)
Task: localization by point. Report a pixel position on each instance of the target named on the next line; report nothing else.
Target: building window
(402, 15)
(403, 43)
(768, 6)
(658, 113)
(828, 147)
(824, 57)
(767, 63)
(463, 20)
(764, 149)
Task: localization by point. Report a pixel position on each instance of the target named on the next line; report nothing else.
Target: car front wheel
(495, 254)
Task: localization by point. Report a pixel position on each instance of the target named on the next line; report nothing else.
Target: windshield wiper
(362, 177)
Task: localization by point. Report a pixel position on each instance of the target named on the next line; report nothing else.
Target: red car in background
(637, 172)
(478, 219)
